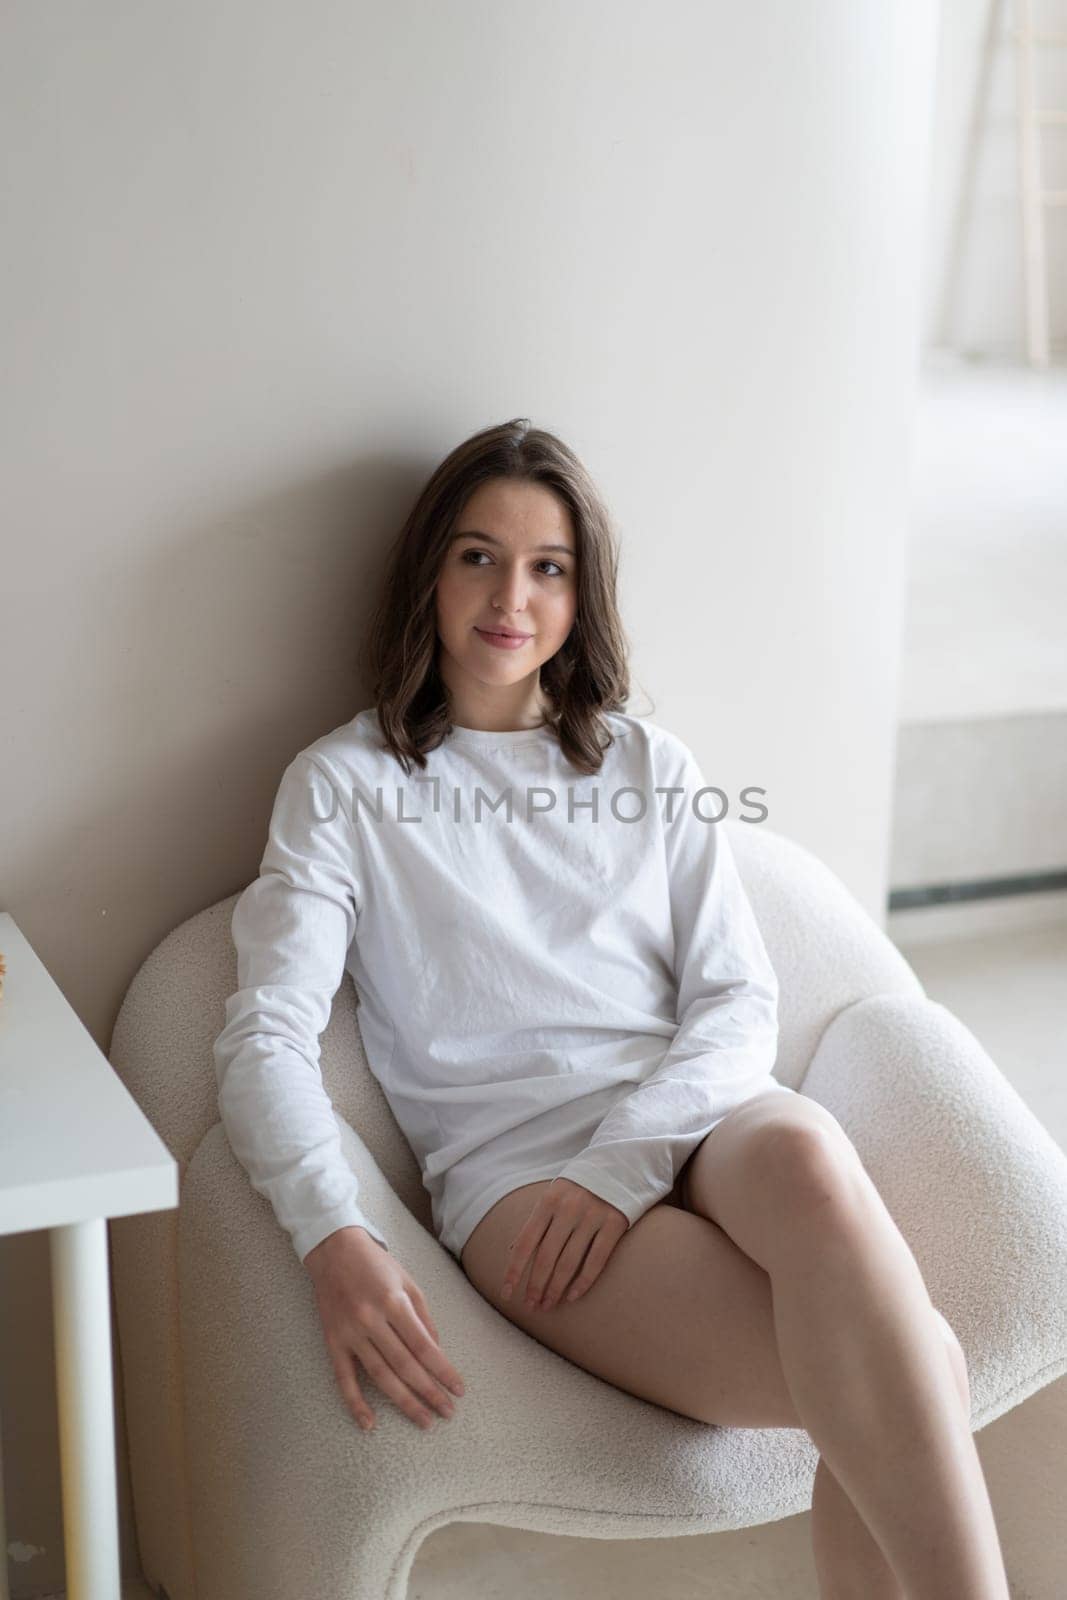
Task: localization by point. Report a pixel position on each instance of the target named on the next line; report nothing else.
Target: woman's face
(512, 564)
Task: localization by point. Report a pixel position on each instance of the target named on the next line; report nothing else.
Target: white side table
(75, 1149)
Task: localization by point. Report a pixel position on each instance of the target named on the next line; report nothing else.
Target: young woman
(569, 1007)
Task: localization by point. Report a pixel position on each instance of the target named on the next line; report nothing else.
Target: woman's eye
(559, 572)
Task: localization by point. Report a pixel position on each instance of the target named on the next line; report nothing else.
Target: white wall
(267, 263)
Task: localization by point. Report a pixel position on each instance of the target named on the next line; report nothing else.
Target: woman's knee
(759, 1172)
(957, 1360)
(807, 1157)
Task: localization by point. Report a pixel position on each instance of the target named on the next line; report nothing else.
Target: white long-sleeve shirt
(559, 974)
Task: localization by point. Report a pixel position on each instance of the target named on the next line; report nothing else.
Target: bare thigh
(735, 1179)
(679, 1314)
(732, 1179)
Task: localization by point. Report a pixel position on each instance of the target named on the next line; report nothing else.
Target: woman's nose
(511, 592)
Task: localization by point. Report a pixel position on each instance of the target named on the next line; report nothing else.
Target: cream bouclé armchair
(251, 1480)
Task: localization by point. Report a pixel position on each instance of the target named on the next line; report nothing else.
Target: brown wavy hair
(587, 676)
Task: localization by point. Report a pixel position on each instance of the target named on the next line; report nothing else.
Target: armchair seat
(250, 1478)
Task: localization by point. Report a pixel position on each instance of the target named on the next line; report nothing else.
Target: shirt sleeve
(726, 1042)
(292, 928)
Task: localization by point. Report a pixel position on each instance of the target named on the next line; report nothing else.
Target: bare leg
(864, 1359)
(875, 1402)
(848, 1560)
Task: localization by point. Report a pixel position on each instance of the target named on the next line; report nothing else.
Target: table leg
(82, 1311)
(4, 1592)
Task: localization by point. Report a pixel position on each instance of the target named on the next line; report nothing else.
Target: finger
(419, 1301)
(378, 1354)
(599, 1251)
(568, 1265)
(344, 1368)
(343, 1362)
(521, 1249)
(436, 1357)
(544, 1262)
(415, 1359)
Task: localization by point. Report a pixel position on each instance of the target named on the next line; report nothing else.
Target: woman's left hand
(567, 1222)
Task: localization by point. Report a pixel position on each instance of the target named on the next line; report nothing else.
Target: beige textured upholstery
(251, 1480)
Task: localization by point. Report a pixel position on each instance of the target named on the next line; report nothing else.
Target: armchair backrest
(825, 947)
(826, 951)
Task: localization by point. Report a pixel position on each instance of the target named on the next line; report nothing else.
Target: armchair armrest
(975, 1183)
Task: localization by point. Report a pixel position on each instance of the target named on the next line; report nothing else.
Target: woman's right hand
(374, 1312)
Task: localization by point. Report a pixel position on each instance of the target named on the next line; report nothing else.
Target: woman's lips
(502, 641)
